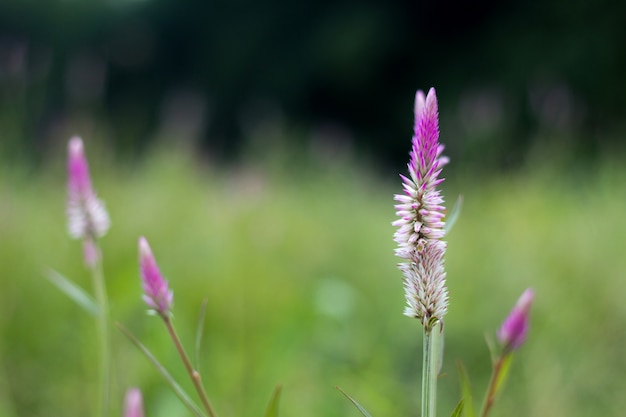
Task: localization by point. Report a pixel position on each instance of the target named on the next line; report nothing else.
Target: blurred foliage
(511, 76)
(296, 260)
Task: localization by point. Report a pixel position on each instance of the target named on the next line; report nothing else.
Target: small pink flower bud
(156, 292)
(133, 403)
(79, 181)
(86, 214)
(512, 333)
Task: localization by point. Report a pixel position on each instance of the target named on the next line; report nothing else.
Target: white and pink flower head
(421, 223)
(87, 217)
(156, 292)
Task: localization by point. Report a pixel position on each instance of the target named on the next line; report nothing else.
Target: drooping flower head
(133, 403)
(156, 292)
(87, 216)
(512, 333)
(421, 223)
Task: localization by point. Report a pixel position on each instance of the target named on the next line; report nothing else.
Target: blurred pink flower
(87, 216)
(156, 292)
(421, 222)
(512, 333)
(133, 403)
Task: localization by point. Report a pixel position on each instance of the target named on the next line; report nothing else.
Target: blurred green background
(257, 146)
(302, 288)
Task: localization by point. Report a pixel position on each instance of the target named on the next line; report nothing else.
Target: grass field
(303, 291)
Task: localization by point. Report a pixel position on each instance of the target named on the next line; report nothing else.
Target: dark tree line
(506, 72)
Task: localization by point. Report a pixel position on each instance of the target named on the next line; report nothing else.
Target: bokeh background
(257, 146)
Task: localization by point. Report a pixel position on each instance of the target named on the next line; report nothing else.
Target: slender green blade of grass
(438, 345)
(178, 390)
(457, 410)
(493, 349)
(272, 407)
(356, 404)
(504, 372)
(73, 291)
(466, 390)
(200, 332)
(454, 214)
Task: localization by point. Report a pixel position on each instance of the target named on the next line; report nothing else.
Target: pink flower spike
(133, 403)
(156, 292)
(87, 216)
(512, 333)
(421, 220)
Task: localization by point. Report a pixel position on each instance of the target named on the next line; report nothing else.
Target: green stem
(429, 373)
(193, 374)
(490, 397)
(103, 332)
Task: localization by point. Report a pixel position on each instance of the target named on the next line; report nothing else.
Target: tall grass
(302, 288)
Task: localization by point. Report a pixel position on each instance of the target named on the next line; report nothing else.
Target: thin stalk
(193, 374)
(429, 373)
(182, 395)
(490, 397)
(103, 333)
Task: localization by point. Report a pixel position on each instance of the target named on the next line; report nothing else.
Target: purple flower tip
(133, 403)
(156, 292)
(512, 333)
(77, 167)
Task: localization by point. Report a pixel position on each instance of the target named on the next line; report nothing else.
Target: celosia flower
(88, 218)
(421, 223)
(133, 403)
(156, 292)
(424, 283)
(512, 333)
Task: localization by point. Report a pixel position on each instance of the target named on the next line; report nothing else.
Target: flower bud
(156, 292)
(87, 216)
(512, 333)
(133, 403)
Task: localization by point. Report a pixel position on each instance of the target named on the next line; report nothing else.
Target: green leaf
(493, 349)
(182, 395)
(454, 214)
(466, 390)
(505, 367)
(438, 346)
(200, 332)
(272, 407)
(357, 405)
(431, 323)
(457, 410)
(73, 291)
